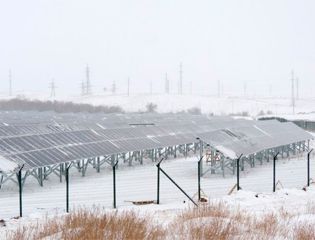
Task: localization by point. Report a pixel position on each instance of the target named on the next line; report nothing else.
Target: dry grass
(213, 221)
(304, 232)
(83, 224)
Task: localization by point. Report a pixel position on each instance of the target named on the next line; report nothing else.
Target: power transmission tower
(10, 83)
(151, 88)
(245, 89)
(297, 88)
(167, 85)
(190, 88)
(88, 83)
(52, 89)
(180, 85)
(219, 89)
(83, 90)
(114, 88)
(128, 87)
(292, 92)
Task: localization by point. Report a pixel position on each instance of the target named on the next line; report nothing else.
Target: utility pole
(219, 89)
(114, 88)
(297, 88)
(10, 83)
(128, 87)
(88, 83)
(292, 92)
(180, 86)
(52, 89)
(245, 89)
(191, 88)
(167, 85)
(83, 90)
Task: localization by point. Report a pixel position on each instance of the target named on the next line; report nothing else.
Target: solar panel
(68, 137)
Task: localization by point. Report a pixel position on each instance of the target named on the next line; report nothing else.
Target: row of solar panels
(258, 136)
(230, 136)
(255, 137)
(22, 124)
(15, 144)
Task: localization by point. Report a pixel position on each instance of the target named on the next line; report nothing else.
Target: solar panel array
(48, 139)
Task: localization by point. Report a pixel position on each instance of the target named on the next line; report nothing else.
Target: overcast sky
(231, 41)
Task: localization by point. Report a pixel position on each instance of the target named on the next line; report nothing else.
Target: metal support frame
(20, 190)
(67, 167)
(238, 172)
(274, 172)
(42, 173)
(308, 167)
(199, 178)
(114, 184)
(158, 193)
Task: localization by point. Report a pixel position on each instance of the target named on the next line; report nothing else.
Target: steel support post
(308, 167)
(238, 172)
(274, 171)
(67, 186)
(199, 179)
(20, 190)
(114, 184)
(158, 182)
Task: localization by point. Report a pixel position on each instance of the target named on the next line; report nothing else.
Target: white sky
(234, 41)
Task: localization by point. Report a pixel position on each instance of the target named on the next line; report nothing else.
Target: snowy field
(175, 103)
(139, 183)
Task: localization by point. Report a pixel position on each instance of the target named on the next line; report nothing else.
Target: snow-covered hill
(176, 103)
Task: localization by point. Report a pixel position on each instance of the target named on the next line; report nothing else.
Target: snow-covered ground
(139, 183)
(176, 103)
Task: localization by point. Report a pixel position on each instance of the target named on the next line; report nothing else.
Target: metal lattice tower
(167, 84)
(292, 92)
(180, 85)
(297, 88)
(151, 88)
(88, 82)
(128, 87)
(219, 88)
(83, 90)
(245, 89)
(52, 89)
(10, 83)
(190, 88)
(114, 88)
